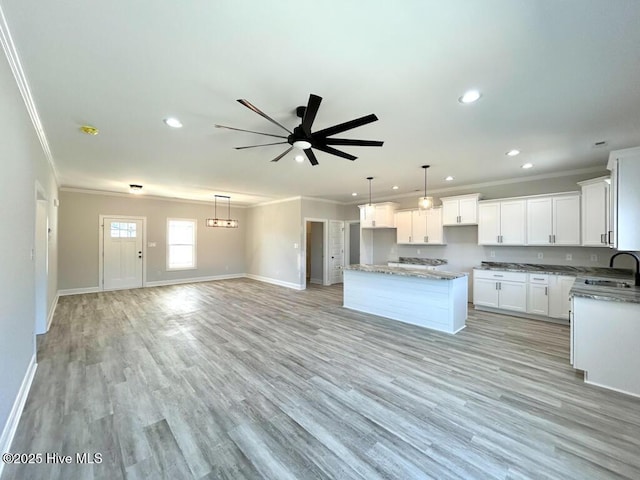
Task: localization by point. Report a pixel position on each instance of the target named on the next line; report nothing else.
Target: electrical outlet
(540, 255)
(594, 257)
(569, 257)
(418, 252)
(492, 254)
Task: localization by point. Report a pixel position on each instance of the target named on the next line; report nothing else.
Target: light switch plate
(540, 255)
(594, 257)
(492, 254)
(569, 256)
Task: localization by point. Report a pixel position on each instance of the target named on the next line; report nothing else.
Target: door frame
(41, 307)
(101, 218)
(347, 240)
(325, 250)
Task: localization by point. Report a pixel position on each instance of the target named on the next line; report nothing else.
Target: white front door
(336, 251)
(122, 254)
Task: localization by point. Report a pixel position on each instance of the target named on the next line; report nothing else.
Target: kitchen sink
(608, 283)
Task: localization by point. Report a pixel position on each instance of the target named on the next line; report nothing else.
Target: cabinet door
(485, 292)
(559, 301)
(419, 219)
(367, 216)
(538, 299)
(404, 226)
(384, 216)
(468, 211)
(566, 220)
(539, 221)
(513, 222)
(450, 212)
(513, 296)
(594, 214)
(488, 223)
(435, 232)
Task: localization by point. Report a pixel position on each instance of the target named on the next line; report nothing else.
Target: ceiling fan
(304, 139)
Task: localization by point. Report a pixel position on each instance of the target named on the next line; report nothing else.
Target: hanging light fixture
(221, 222)
(425, 203)
(369, 209)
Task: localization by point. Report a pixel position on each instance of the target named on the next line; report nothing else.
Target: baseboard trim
(529, 316)
(78, 291)
(11, 426)
(273, 281)
(163, 283)
(52, 310)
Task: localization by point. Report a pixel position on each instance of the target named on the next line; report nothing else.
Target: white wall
(274, 237)
(220, 251)
(23, 162)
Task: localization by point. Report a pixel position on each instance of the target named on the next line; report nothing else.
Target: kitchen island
(428, 298)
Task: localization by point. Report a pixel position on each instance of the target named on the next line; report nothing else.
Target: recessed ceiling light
(89, 130)
(299, 158)
(513, 153)
(173, 122)
(470, 96)
(354, 194)
(395, 187)
(449, 178)
(527, 165)
(133, 188)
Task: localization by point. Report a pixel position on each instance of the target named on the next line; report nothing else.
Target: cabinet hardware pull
(538, 278)
(554, 238)
(426, 239)
(498, 276)
(496, 285)
(499, 285)
(409, 238)
(546, 291)
(549, 238)
(609, 237)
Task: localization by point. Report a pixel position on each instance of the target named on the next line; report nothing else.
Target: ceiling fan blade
(349, 141)
(249, 131)
(333, 151)
(311, 156)
(282, 154)
(310, 113)
(343, 127)
(261, 145)
(248, 104)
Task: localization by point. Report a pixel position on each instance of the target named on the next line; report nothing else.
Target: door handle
(139, 254)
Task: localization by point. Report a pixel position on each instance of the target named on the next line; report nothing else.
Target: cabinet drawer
(498, 275)
(539, 278)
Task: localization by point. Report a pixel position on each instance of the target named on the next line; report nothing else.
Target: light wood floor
(240, 379)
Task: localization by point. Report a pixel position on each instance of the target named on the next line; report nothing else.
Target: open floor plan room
(243, 379)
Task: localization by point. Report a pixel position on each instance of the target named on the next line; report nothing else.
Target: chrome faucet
(637, 264)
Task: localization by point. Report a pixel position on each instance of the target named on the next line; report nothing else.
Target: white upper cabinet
(419, 226)
(625, 199)
(502, 222)
(460, 210)
(377, 215)
(595, 212)
(553, 220)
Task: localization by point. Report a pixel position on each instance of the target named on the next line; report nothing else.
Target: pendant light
(221, 222)
(425, 203)
(369, 209)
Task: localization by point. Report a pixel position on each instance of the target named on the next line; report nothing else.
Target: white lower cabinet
(533, 293)
(538, 294)
(506, 290)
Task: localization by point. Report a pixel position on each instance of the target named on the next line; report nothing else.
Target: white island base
(428, 300)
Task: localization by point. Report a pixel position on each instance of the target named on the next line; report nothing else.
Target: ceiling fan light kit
(221, 222)
(425, 203)
(304, 139)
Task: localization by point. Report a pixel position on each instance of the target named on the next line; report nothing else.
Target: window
(123, 230)
(181, 244)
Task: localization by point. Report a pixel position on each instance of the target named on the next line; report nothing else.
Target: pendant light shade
(221, 222)
(425, 203)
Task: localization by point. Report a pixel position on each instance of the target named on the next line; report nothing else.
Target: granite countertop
(623, 273)
(406, 272)
(611, 294)
(421, 261)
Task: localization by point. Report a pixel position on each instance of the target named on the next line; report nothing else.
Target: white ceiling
(555, 77)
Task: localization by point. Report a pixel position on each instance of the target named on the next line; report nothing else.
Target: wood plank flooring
(239, 379)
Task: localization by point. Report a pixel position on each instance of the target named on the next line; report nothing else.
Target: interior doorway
(41, 262)
(315, 252)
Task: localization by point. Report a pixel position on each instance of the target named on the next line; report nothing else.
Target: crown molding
(324, 200)
(23, 86)
(141, 197)
(495, 183)
(272, 202)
